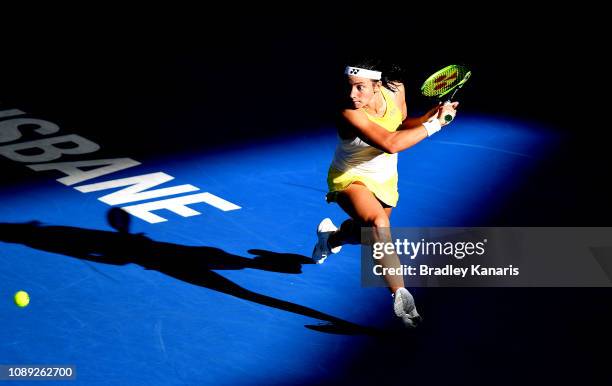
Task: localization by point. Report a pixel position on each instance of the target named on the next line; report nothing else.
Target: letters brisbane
(43, 155)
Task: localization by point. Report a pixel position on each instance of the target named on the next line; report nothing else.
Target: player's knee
(380, 221)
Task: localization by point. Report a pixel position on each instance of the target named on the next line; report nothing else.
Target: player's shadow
(192, 264)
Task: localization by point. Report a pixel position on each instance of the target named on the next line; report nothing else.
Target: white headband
(362, 73)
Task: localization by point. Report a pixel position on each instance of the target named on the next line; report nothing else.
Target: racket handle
(448, 117)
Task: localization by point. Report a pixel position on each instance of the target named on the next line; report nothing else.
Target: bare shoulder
(354, 116)
(398, 90)
(399, 95)
(350, 112)
(399, 86)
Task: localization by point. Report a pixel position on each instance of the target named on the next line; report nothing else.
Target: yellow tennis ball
(22, 298)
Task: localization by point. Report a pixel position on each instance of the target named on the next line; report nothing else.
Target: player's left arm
(410, 122)
(400, 100)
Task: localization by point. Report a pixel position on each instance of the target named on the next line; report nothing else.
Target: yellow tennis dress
(355, 160)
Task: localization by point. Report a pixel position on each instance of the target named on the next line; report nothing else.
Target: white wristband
(432, 126)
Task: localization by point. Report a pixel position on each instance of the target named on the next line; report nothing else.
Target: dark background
(197, 79)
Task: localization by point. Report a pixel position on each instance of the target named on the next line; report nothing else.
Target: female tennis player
(373, 127)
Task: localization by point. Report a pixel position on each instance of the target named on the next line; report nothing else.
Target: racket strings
(444, 80)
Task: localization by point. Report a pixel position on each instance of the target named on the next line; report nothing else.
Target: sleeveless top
(359, 158)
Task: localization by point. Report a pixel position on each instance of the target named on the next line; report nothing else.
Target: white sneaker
(404, 307)
(321, 249)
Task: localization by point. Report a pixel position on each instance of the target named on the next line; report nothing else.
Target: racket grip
(448, 117)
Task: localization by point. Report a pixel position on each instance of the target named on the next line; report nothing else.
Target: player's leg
(348, 233)
(361, 205)
(388, 210)
(350, 230)
(365, 210)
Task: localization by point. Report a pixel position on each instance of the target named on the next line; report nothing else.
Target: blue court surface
(233, 107)
(231, 297)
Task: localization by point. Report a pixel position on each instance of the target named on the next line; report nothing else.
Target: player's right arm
(378, 136)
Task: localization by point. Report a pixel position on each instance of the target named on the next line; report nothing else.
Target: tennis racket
(444, 82)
